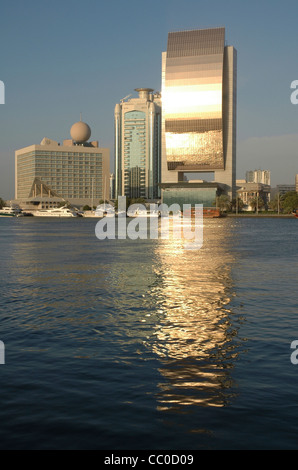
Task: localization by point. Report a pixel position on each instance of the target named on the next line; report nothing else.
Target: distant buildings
(285, 188)
(138, 145)
(256, 185)
(255, 189)
(254, 194)
(77, 172)
(259, 176)
(282, 189)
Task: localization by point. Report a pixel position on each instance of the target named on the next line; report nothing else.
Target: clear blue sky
(64, 57)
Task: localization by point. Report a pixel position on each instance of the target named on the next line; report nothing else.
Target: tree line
(286, 203)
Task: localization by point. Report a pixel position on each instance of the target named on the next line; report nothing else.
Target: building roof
(254, 187)
(189, 185)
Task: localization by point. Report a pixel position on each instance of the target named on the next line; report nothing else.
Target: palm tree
(237, 204)
(257, 203)
(224, 203)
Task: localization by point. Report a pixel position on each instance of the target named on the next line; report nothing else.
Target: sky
(62, 58)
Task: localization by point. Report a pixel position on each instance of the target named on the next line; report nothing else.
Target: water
(122, 344)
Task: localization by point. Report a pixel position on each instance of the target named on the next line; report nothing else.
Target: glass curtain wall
(135, 154)
(193, 100)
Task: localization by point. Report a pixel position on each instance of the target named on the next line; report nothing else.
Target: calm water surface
(122, 344)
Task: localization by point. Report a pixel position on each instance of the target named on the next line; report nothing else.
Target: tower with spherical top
(80, 132)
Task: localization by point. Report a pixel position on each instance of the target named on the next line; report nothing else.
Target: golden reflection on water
(194, 337)
(173, 301)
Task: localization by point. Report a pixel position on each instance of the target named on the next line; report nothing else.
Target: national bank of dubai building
(199, 116)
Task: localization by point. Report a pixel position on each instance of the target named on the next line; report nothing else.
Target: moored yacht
(105, 210)
(8, 212)
(57, 212)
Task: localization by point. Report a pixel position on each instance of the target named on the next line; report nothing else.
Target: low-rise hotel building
(77, 172)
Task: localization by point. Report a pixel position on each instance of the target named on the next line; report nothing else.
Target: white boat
(104, 210)
(90, 214)
(8, 212)
(142, 213)
(57, 212)
(121, 213)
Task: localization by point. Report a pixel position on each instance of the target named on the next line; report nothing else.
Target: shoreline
(260, 215)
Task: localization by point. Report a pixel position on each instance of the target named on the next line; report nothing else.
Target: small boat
(104, 210)
(25, 214)
(295, 213)
(58, 212)
(212, 213)
(142, 213)
(121, 214)
(8, 212)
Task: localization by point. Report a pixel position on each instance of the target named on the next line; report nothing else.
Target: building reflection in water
(196, 337)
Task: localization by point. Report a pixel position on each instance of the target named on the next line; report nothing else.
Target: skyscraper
(199, 109)
(138, 145)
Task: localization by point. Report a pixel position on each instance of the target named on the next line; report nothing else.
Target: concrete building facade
(285, 188)
(77, 171)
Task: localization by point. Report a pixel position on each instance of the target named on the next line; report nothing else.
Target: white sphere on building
(80, 132)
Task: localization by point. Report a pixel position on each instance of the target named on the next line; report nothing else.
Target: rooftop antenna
(125, 98)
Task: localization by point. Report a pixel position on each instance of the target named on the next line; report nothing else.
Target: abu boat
(57, 212)
(295, 213)
(8, 212)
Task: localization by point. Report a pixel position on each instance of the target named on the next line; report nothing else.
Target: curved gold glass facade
(193, 100)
